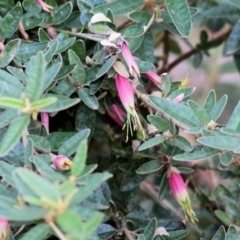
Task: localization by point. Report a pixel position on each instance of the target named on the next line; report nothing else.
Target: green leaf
(182, 143)
(42, 188)
(7, 117)
(29, 23)
(234, 121)
(232, 233)
(11, 102)
(79, 49)
(175, 235)
(71, 145)
(131, 180)
(151, 143)
(144, 66)
(71, 223)
(9, 52)
(91, 183)
(50, 52)
(64, 87)
(6, 172)
(43, 103)
(17, 73)
(62, 13)
(135, 43)
(9, 85)
(226, 158)
(62, 103)
(79, 160)
(150, 229)
(90, 100)
(145, 51)
(51, 73)
(119, 7)
(161, 124)
(210, 101)
(32, 8)
(222, 216)
(199, 112)
(219, 142)
(10, 22)
(35, 71)
(186, 91)
(180, 15)
(43, 36)
(106, 66)
(105, 231)
(27, 214)
(28, 152)
(163, 187)
(176, 111)
(149, 167)
(232, 44)
(39, 232)
(220, 235)
(13, 134)
(184, 170)
(216, 111)
(91, 73)
(65, 71)
(78, 73)
(26, 51)
(40, 142)
(166, 83)
(140, 16)
(64, 45)
(43, 166)
(197, 154)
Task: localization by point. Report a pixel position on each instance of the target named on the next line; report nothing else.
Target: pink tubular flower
(4, 229)
(44, 5)
(128, 57)
(126, 95)
(179, 98)
(45, 121)
(179, 191)
(154, 78)
(117, 114)
(61, 163)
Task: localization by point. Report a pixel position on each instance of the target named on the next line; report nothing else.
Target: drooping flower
(44, 5)
(61, 163)
(4, 229)
(117, 114)
(179, 98)
(152, 76)
(128, 57)
(179, 191)
(45, 121)
(126, 95)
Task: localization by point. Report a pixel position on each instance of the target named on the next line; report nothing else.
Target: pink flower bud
(152, 76)
(44, 5)
(128, 57)
(4, 229)
(45, 121)
(126, 95)
(117, 114)
(179, 191)
(62, 163)
(179, 98)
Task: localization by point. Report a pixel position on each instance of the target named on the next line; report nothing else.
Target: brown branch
(169, 67)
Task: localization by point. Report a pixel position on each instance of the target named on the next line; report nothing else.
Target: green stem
(92, 37)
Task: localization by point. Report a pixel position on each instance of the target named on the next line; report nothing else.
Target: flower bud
(179, 191)
(62, 163)
(4, 229)
(152, 76)
(45, 121)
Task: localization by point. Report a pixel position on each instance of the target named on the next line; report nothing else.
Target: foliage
(67, 170)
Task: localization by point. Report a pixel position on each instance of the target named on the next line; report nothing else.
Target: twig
(165, 48)
(169, 67)
(57, 230)
(128, 235)
(92, 37)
